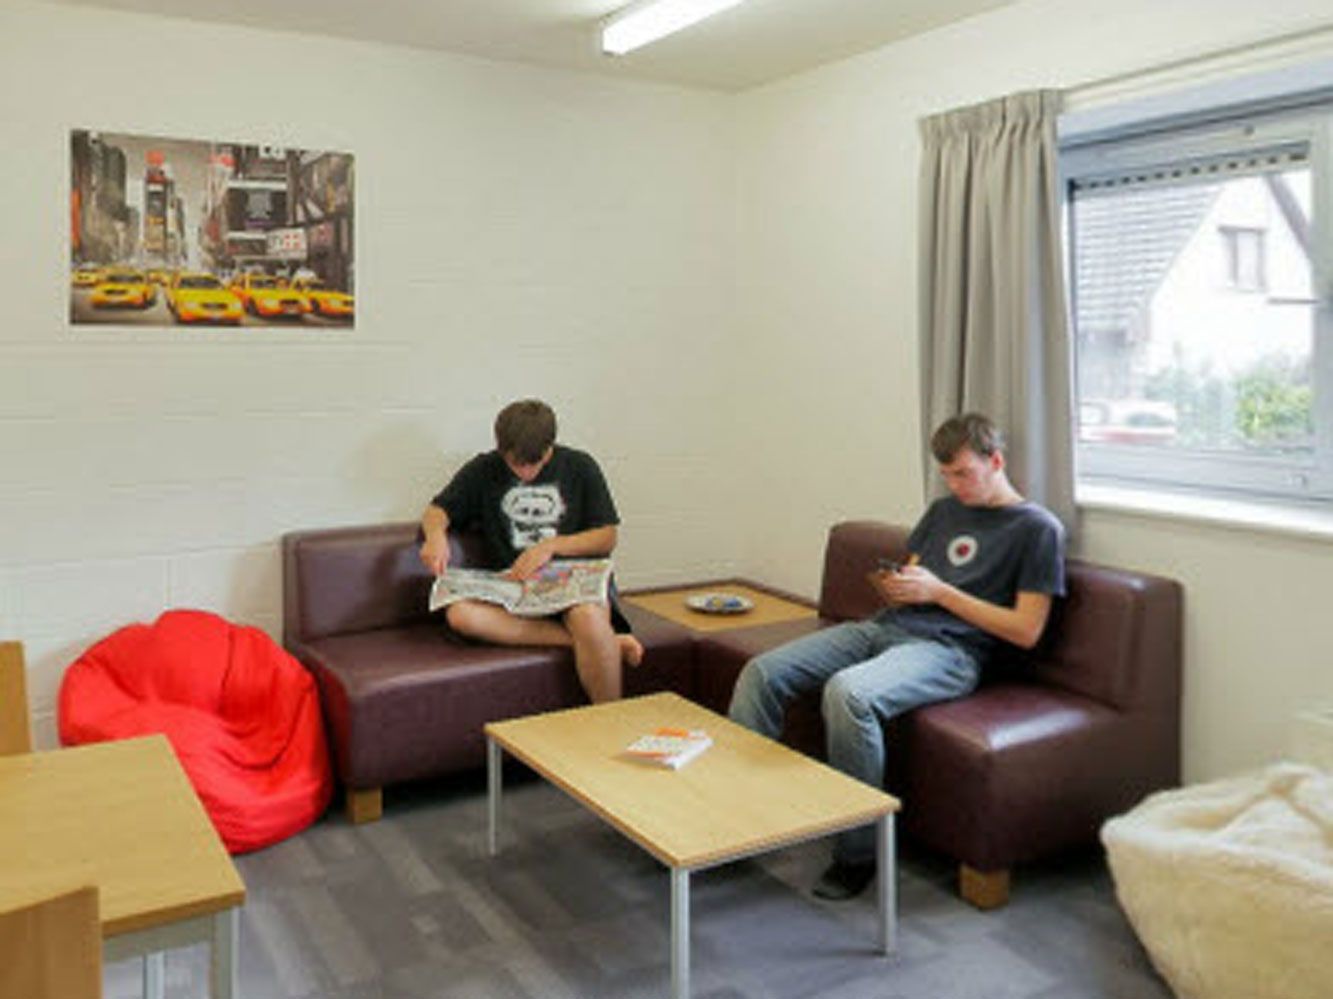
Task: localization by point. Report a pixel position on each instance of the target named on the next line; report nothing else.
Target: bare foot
(631, 649)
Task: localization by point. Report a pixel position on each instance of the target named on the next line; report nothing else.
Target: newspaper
(561, 583)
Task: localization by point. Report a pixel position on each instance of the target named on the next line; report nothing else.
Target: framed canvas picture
(196, 234)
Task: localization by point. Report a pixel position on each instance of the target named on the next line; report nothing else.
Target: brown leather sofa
(403, 697)
(1030, 764)
(1051, 744)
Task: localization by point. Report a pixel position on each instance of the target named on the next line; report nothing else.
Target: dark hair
(972, 431)
(524, 430)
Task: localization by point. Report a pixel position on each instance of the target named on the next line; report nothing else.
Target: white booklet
(669, 747)
(560, 584)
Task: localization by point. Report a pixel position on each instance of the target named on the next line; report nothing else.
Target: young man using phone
(984, 565)
(532, 500)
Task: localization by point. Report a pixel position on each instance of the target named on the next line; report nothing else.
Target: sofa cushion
(1007, 773)
(410, 702)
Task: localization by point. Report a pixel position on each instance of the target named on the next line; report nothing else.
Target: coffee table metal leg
(680, 933)
(494, 773)
(226, 933)
(888, 884)
(154, 974)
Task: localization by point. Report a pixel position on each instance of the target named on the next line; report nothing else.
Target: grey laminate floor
(411, 907)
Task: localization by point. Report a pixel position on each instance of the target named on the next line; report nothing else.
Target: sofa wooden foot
(365, 806)
(984, 889)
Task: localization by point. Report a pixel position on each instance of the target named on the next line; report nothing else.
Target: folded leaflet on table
(669, 747)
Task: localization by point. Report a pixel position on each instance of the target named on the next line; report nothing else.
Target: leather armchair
(1051, 744)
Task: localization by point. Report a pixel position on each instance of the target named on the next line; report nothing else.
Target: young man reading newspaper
(533, 500)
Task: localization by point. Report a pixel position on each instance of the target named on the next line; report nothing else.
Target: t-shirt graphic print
(533, 513)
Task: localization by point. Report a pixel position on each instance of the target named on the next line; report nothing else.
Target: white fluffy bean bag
(1230, 884)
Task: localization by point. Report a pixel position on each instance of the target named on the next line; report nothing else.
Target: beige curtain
(994, 335)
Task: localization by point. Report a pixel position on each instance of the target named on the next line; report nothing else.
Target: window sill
(1294, 519)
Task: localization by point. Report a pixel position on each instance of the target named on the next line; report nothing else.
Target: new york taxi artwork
(197, 234)
(198, 297)
(325, 300)
(263, 295)
(120, 288)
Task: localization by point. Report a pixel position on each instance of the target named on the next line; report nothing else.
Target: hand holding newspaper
(560, 584)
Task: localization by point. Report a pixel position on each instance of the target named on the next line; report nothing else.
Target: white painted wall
(520, 232)
(827, 305)
(717, 293)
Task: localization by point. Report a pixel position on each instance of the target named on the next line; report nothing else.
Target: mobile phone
(887, 564)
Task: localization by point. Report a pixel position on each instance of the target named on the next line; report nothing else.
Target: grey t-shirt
(990, 552)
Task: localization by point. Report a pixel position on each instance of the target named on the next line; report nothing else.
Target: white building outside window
(1197, 256)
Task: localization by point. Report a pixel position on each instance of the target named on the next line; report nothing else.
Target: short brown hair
(972, 431)
(524, 430)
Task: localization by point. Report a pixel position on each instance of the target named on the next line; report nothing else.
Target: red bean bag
(242, 715)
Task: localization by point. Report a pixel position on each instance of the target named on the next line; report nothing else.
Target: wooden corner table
(124, 817)
(769, 606)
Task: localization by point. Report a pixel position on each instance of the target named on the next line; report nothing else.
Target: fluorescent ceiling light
(646, 22)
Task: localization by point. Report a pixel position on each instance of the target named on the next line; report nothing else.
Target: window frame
(1178, 143)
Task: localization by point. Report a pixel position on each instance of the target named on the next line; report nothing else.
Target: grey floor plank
(412, 907)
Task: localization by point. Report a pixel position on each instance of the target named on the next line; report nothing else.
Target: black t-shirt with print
(568, 495)
(993, 553)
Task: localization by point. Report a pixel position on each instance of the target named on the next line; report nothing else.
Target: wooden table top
(768, 607)
(744, 795)
(118, 815)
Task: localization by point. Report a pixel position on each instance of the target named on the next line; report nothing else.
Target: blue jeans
(870, 671)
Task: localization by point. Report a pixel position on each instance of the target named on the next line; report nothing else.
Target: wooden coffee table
(122, 816)
(744, 796)
(769, 607)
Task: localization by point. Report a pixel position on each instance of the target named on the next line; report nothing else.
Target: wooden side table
(769, 607)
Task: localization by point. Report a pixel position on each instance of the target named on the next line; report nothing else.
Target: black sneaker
(843, 881)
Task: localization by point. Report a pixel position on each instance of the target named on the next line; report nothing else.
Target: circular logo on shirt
(962, 549)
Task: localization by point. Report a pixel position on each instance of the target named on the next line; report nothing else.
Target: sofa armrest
(1116, 637)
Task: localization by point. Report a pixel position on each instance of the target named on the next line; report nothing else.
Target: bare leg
(597, 651)
(491, 623)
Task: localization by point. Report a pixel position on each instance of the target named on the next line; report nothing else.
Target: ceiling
(754, 43)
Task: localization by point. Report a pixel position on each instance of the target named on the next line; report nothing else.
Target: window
(1199, 261)
(1245, 266)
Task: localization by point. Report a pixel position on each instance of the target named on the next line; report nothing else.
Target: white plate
(719, 603)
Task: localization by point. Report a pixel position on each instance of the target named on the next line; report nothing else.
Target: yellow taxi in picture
(85, 276)
(325, 300)
(122, 287)
(263, 296)
(199, 297)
